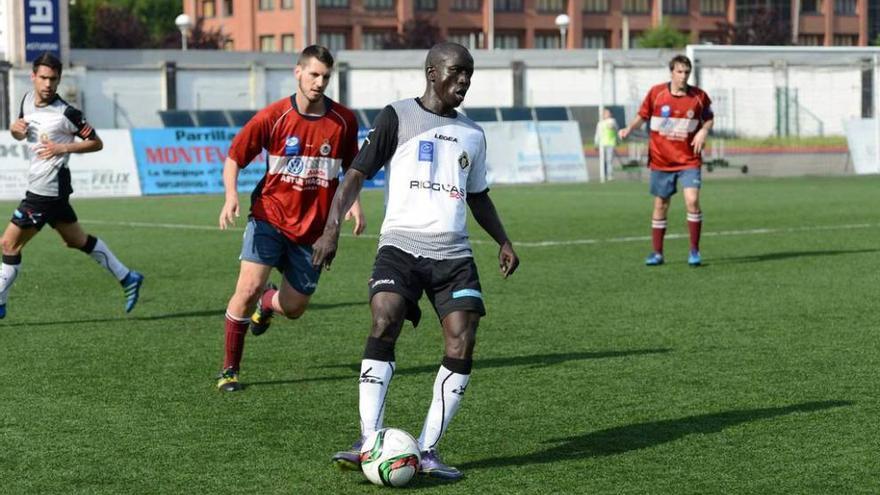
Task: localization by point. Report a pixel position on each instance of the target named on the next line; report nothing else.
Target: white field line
(571, 242)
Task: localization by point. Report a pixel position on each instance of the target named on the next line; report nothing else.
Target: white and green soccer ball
(390, 457)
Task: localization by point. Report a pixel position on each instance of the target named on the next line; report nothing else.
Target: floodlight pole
(184, 24)
(562, 22)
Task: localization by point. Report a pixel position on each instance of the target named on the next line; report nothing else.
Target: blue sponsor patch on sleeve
(426, 151)
(467, 293)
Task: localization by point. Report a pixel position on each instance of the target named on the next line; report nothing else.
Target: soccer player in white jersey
(51, 127)
(435, 164)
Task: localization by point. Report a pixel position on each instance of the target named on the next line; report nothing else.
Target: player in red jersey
(680, 118)
(308, 138)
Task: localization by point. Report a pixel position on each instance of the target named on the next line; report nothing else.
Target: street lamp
(184, 24)
(562, 22)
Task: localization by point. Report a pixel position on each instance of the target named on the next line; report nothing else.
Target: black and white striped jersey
(57, 122)
(431, 164)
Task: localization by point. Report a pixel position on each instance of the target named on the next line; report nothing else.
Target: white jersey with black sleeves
(57, 122)
(432, 163)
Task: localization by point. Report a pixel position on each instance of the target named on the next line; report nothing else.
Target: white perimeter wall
(745, 98)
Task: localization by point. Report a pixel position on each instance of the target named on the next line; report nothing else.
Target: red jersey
(305, 155)
(674, 120)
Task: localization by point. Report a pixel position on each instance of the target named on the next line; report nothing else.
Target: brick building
(288, 25)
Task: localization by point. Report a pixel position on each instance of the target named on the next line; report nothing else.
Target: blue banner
(41, 28)
(189, 160)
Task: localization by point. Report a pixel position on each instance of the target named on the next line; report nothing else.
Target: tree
(417, 33)
(152, 19)
(663, 36)
(764, 27)
(116, 27)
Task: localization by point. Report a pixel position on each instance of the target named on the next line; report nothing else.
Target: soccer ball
(390, 457)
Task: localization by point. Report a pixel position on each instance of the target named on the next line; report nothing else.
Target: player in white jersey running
(51, 127)
(435, 163)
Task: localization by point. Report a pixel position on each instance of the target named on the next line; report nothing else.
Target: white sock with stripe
(102, 254)
(449, 388)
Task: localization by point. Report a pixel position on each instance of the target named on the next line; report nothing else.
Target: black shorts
(36, 210)
(451, 285)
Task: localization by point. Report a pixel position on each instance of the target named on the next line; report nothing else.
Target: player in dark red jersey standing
(680, 117)
(308, 139)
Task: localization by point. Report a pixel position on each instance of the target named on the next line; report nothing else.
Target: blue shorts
(265, 245)
(663, 183)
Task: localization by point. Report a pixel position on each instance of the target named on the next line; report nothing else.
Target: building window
(712, 7)
(288, 43)
(508, 5)
(267, 43)
(426, 5)
(675, 7)
(267, 5)
(472, 40)
(550, 6)
(810, 6)
(711, 38)
(811, 40)
(466, 5)
(595, 5)
(378, 4)
(333, 4)
(548, 40)
(375, 40)
(595, 40)
(637, 6)
(286, 4)
(228, 45)
(334, 41)
(845, 7)
(507, 41)
(208, 8)
(846, 40)
(227, 8)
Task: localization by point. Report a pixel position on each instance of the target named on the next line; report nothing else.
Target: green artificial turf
(755, 373)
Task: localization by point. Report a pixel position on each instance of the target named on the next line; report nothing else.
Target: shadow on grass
(784, 255)
(535, 361)
(169, 316)
(637, 436)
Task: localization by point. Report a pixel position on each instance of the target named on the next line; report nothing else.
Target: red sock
(266, 299)
(658, 231)
(236, 329)
(695, 225)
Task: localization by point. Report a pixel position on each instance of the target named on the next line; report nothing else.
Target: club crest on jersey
(325, 148)
(426, 151)
(665, 111)
(295, 165)
(463, 160)
(291, 146)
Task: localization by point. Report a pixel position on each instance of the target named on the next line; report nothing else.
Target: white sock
(449, 388)
(373, 388)
(102, 254)
(7, 277)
